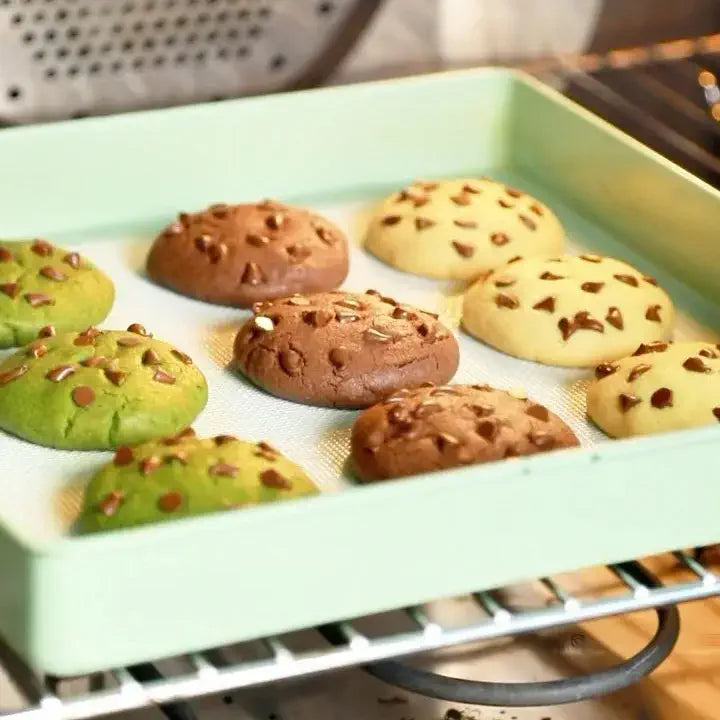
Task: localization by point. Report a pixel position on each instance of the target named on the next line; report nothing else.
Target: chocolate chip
(467, 224)
(424, 330)
(505, 281)
(111, 503)
(461, 199)
(463, 249)
(224, 439)
(716, 413)
(38, 299)
(507, 301)
(538, 411)
(637, 371)
(388, 300)
(42, 248)
(170, 501)
(592, 287)
(37, 350)
(267, 451)
(487, 429)
(150, 357)
(627, 279)
(10, 289)
(513, 193)
(224, 469)
(528, 222)
(162, 377)
(83, 396)
(203, 242)
(60, 373)
(339, 357)
(662, 398)
(138, 329)
(391, 220)
(47, 332)
(123, 456)
(482, 410)
(499, 239)
(537, 209)
(5, 255)
(695, 364)
(298, 253)
(541, 439)
(291, 362)
(52, 273)
(399, 313)
(182, 357)
(591, 258)
(584, 321)
(275, 221)
(257, 240)
(653, 313)
(421, 223)
(547, 304)
(505, 204)
(252, 275)
(615, 318)
(604, 370)
(317, 318)
(627, 402)
(471, 189)
(325, 235)
(12, 374)
(217, 252)
(376, 336)
(708, 353)
(657, 346)
(547, 275)
(566, 328)
(116, 377)
(128, 342)
(515, 259)
(184, 218)
(273, 479)
(650, 279)
(482, 388)
(373, 292)
(433, 315)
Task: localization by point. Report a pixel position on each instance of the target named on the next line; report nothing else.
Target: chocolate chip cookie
(435, 428)
(660, 387)
(240, 254)
(98, 389)
(41, 284)
(461, 228)
(343, 349)
(183, 475)
(572, 311)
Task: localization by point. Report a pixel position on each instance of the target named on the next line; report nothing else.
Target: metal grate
(68, 58)
(217, 671)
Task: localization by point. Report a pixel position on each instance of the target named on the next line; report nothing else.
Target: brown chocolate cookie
(240, 254)
(434, 428)
(343, 349)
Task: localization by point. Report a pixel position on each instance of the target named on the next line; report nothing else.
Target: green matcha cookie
(99, 390)
(183, 476)
(44, 285)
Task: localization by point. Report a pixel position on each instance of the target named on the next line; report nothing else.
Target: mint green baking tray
(73, 605)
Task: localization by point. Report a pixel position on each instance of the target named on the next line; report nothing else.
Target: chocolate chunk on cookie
(343, 349)
(572, 311)
(240, 254)
(461, 228)
(660, 387)
(183, 475)
(98, 389)
(41, 284)
(435, 428)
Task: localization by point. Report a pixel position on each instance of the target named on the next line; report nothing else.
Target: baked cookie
(460, 229)
(343, 349)
(41, 284)
(573, 311)
(435, 428)
(239, 254)
(660, 387)
(183, 475)
(98, 389)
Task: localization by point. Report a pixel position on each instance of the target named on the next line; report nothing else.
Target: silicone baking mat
(44, 505)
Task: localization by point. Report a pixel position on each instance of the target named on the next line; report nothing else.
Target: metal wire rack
(215, 671)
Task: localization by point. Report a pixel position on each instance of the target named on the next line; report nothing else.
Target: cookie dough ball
(183, 475)
(240, 254)
(97, 390)
(41, 284)
(460, 229)
(343, 349)
(573, 311)
(435, 428)
(660, 387)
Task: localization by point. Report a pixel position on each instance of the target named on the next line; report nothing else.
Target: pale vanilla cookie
(660, 387)
(572, 311)
(459, 229)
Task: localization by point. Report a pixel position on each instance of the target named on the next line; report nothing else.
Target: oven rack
(214, 671)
